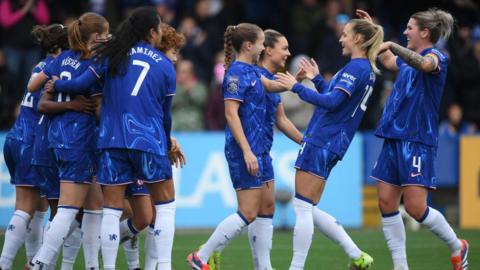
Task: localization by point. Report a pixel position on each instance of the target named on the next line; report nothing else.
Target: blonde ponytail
(373, 38)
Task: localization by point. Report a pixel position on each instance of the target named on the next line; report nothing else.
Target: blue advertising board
(204, 193)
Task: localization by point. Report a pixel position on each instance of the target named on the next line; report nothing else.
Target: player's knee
(250, 215)
(415, 209)
(267, 208)
(386, 205)
(141, 222)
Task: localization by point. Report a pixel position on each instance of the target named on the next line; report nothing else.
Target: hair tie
(234, 27)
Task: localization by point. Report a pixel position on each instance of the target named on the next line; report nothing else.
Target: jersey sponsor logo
(233, 84)
(349, 77)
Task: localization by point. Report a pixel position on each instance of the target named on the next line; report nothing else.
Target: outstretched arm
(84, 81)
(427, 63)
(330, 101)
(272, 86)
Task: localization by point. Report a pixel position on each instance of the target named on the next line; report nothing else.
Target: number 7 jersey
(133, 105)
(334, 130)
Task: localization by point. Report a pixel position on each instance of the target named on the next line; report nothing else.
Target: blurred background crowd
(312, 28)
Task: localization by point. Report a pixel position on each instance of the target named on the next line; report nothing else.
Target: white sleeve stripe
(344, 90)
(94, 72)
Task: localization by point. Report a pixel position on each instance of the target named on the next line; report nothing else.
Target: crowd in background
(312, 27)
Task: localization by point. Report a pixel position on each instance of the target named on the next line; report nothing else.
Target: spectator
(166, 10)
(190, 99)
(455, 124)
(306, 16)
(329, 51)
(8, 94)
(17, 17)
(196, 47)
(215, 109)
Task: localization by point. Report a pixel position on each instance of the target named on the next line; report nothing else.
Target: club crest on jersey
(233, 84)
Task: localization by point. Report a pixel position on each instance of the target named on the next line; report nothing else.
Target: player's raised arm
(427, 63)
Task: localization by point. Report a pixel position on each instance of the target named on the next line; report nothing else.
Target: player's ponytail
(80, 30)
(234, 37)
(438, 22)
(51, 38)
(373, 37)
(228, 46)
(133, 29)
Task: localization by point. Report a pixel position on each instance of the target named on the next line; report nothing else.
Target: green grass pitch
(425, 251)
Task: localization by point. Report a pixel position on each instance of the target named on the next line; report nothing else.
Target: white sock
(14, 237)
(127, 230)
(228, 229)
(91, 222)
(260, 234)
(54, 262)
(71, 246)
(110, 235)
(302, 232)
(56, 234)
(330, 227)
(394, 232)
(129, 241)
(435, 222)
(150, 250)
(130, 247)
(34, 237)
(164, 233)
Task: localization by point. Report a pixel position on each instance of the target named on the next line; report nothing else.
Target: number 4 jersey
(71, 129)
(23, 129)
(334, 130)
(135, 101)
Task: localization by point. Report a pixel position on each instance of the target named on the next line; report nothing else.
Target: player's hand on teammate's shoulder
(385, 46)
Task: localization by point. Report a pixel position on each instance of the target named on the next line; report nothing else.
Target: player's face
(347, 39)
(412, 33)
(257, 47)
(172, 54)
(280, 52)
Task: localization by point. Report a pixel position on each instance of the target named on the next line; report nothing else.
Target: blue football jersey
(132, 115)
(243, 83)
(334, 130)
(23, 129)
(412, 109)
(42, 154)
(71, 129)
(272, 100)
